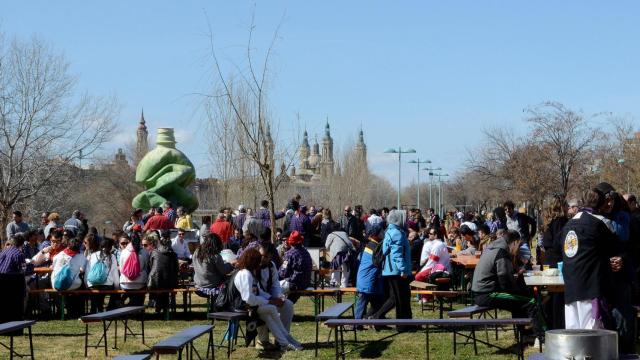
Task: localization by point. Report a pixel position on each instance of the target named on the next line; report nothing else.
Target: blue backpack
(64, 279)
(99, 273)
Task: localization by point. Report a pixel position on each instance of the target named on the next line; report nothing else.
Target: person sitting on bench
(494, 283)
(209, 269)
(270, 284)
(295, 272)
(247, 284)
(102, 274)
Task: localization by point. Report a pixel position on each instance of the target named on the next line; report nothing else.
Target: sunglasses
(432, 233)
(124, 243)
(145, 245)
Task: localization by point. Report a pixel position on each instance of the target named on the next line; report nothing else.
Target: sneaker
(265, 346)
(291, 347)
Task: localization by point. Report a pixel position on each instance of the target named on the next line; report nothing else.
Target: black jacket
(552, 241)
(164, 269)
(588, 244)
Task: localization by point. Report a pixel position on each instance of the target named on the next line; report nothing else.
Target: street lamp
(440, 176)
(399, 151)
(431, 182)
(621, 163)
(418, 162)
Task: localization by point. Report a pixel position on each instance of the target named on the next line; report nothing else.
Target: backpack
(99, 273)
(64, 278)
(229, 298)
(379, 256)
(131, 266)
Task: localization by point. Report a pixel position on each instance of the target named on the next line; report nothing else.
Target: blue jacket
(369, 280)
(396, 245)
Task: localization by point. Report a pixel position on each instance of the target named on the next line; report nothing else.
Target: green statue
(165, 173)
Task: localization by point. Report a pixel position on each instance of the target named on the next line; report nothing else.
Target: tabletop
(544, 280)
(467, 261)
(42, 270)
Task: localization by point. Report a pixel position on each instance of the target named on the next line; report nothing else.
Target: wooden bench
(185, 338)
(132, 357)
(422, 285)
(334, 312)
(339, 324)
(233, 319)
(469, 312)
(318, 296)
(10, 329)
(107, 318)
(64, 293)
(440, 296)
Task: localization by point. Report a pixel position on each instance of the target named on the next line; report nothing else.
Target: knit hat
(295, 238)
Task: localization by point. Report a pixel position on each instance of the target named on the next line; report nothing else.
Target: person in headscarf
(397, 266)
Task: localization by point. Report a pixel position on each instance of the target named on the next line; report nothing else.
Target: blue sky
(423, 74)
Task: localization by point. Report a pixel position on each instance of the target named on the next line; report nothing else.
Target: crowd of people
(236, 254)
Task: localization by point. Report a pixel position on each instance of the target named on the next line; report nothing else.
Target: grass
(56, 339)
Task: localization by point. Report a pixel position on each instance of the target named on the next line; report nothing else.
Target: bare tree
(45, 126)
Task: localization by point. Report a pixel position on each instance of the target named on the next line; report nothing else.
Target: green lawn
(64, 339)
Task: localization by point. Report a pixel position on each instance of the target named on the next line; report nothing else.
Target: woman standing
(163, 270)
(397, 265)
(555, 217)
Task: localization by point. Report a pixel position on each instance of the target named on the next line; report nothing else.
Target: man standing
(158, 222)
(222, 228)
(587, 249)
(74, 222)
(494, 284)
(351, 224)
(169, 213)
(17, 226)
(524, 224)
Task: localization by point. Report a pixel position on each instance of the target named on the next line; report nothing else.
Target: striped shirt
(11, 260)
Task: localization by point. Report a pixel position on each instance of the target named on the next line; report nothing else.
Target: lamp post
(399, 151)
(430, 170)
(440, 176)
(621, 162)
(418, 162)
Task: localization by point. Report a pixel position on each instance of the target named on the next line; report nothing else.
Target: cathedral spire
(142, 144)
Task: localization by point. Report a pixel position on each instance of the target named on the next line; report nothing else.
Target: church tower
(142, 144)
(304, 152)
(361, 151)
(326, 158)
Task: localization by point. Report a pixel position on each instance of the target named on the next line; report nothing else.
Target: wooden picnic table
(551, 283)
(466, 261)
(43, 270)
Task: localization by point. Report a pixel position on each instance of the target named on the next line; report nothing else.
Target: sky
(428, 75)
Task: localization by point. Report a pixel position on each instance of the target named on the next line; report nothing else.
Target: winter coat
(396, 246)
(494, 272)
(368, 280)
(338, 242)
(163, 265)
(296, 268)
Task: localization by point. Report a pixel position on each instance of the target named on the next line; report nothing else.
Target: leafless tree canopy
(45, 125)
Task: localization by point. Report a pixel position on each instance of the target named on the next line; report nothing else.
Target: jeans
(375, 300)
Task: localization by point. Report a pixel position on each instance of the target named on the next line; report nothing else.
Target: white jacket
(249, 290)
(113, 278)
(76, 265)
(435, 252)
(141, 281)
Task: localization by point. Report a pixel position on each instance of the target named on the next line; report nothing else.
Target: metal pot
(574, 344)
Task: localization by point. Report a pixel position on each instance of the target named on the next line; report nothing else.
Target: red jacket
(223, 229)
(158, 222)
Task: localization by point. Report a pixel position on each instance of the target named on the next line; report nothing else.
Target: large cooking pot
(575, 344)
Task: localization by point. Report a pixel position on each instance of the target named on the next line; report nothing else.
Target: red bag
(131, 266)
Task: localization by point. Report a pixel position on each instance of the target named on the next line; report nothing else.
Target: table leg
(86, 338)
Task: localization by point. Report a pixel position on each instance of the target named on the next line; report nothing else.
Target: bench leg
(355, 328)
(115, 335)
(475, 344)
(11, 347)
(317, 330)
(426, 334)
(455, 343)
(30, 343)
(104, 332)
(86, 338)
(142, 324)
(335, 335)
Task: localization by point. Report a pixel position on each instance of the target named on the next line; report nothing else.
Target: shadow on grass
(374, 350)
(303, 318)
(57, 334)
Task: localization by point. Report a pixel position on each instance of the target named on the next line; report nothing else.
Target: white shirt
(76, 265)
(180, 248)
(249, 290)
(436, 253)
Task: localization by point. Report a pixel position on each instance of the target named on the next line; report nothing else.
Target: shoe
(291, 347)
(267, 346)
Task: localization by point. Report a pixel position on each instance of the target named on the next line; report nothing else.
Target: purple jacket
(301, 223)
(262, 214)
(296, 268)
